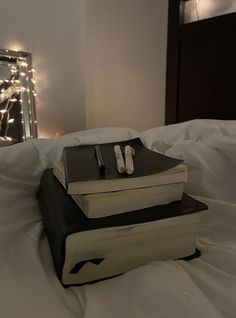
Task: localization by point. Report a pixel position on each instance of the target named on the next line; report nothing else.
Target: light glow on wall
(202, 9)
(14, 46)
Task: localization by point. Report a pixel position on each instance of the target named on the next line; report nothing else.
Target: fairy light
(24, 64)
(22, 83)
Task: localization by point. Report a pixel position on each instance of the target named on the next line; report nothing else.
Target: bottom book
(86, 250)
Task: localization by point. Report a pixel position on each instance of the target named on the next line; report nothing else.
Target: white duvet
(203, 287)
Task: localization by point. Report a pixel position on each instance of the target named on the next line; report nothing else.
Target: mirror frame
(24, 86)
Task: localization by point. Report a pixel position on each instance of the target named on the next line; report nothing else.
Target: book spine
(54, 228)
(59, 173)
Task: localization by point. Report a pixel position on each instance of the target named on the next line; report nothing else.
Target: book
(85, 250)
(82, 175)
(114, 202)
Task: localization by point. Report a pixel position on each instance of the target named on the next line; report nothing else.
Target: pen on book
(99, 157)
(129, 164)
(120, 164)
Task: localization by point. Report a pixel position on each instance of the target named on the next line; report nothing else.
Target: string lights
(18, 91)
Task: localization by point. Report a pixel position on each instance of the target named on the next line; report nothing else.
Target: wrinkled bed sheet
(203, 287)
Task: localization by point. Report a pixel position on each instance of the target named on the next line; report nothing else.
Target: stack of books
(156, 180)
(101, 223)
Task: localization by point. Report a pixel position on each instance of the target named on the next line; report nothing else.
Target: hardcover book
(114, 202)
(82, 175)
(85, 250)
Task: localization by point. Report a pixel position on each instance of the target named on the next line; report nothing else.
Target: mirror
(17, 97)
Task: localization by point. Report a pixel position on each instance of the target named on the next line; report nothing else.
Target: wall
(51, 31)
(125, 62)
(98, 62)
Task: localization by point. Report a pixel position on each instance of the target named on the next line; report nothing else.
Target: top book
(82, 175)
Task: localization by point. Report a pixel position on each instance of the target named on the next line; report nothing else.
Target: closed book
(85, 250)
(114, 202)
(82, 175)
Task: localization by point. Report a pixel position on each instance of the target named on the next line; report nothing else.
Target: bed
(202, 287)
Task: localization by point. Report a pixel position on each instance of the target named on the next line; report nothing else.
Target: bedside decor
(17, 97)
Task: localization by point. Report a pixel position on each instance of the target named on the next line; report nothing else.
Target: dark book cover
(63, 217)
(81, 165)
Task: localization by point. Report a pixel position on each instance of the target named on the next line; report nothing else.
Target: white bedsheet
(204, 287)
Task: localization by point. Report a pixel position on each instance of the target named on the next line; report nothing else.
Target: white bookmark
(119, 159)
(129, 164)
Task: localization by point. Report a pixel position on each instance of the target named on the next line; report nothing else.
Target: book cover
(73, 238)
(82, 174)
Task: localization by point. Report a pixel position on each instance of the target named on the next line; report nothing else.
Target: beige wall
(125, 63)
(51, 31)
(98, 62)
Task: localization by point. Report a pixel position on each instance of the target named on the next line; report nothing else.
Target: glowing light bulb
(11, 120)
(24, 64)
